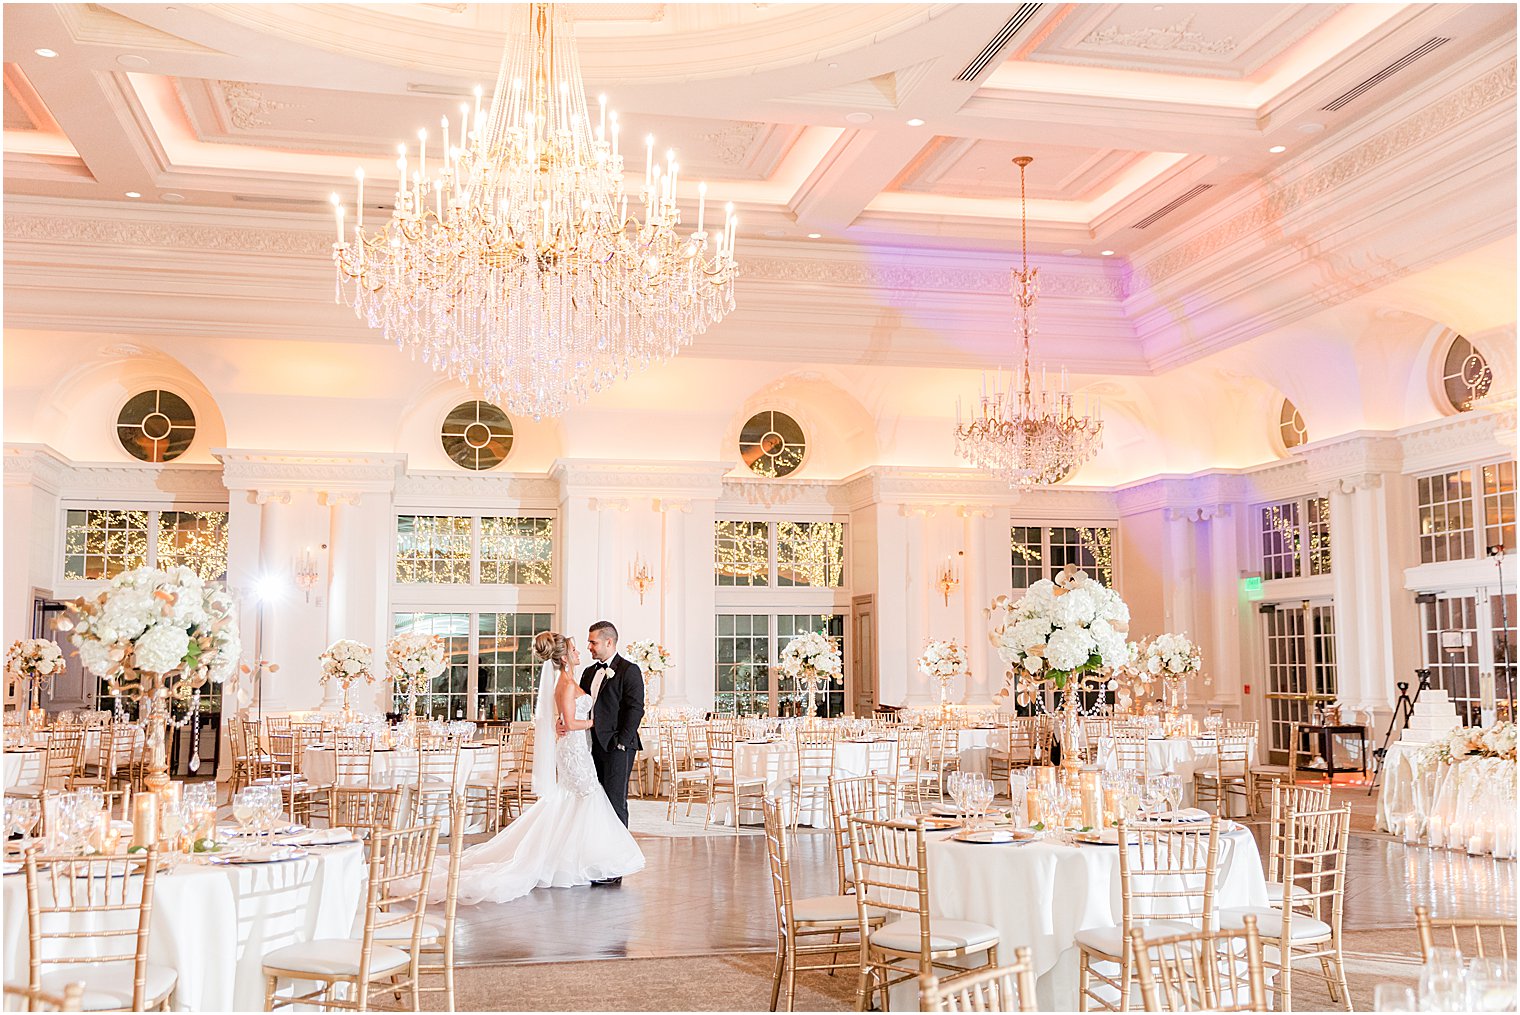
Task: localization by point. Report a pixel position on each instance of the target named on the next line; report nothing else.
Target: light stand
(1503, 663)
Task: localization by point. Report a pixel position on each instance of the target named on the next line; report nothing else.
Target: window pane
(743, 553)
(446, 697)
(810, 553)
(1280, 556)
(1499, 505)
(1319, 535)
(507, 674)
(742, 674)
(194, 539)
(432, 549)
(1028, 565)
(1091, 549)
(100, 544)
(516, 551)
(792, 700)
(1446, 523)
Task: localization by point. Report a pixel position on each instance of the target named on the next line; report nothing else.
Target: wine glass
(956, 785)
(244, 808)
(1394, 997)
(1168, 789)
(21, 814)
(984, 792)
(1443, 982)
(1490, 985)
(1055, 801)
(271, 809)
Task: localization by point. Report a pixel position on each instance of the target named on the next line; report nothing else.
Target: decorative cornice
(1484, 433)
(1352, 462)
(287, 471)
(35, 465)
(477, 489)
(927, 277)
(41, 466)
(1260, 219)
(119, 232)
(611, 478)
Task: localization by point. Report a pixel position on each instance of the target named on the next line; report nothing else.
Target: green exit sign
(1252, 586)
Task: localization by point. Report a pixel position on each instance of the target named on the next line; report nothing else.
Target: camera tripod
(1402, 710)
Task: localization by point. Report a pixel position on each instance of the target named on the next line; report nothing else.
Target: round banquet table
(214, 924)
(1182, 755)
(476, 762)
(775, 762)
(1039, 895)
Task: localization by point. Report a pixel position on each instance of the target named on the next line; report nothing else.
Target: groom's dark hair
(605, 625)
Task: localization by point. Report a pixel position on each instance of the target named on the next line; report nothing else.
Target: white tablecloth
(1467, 805)
(22, 766)
(776, 762)
(1182, 755)
(213, 925)
(1039, 895)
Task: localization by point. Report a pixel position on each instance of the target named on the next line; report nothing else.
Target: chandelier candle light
(512, 261)
(1024, 434)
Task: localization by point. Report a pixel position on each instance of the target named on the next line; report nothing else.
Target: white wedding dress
(571, 836)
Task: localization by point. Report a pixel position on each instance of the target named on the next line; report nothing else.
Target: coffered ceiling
(861, 132)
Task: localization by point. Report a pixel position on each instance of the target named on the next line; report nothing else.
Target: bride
(571, 836)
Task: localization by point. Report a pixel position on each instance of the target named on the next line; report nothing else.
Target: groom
(616, 687)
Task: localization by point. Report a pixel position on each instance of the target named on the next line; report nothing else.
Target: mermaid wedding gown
(571, 836)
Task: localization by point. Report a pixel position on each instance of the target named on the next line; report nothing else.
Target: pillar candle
(1045, 775)
(1113, 806)
(144, 820)
(1032, 806)
(1092, 799)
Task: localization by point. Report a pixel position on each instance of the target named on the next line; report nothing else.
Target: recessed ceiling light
(1106, 253)
(48, 53)
(814, 236)
(915, 122)
(1278, 149)
(171, 196)
(133, 193)
(774, 233)
(857, 117)
(1072, 251)
(1310, 127)
(132, 60)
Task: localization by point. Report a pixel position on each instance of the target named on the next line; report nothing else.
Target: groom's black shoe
(607, 883)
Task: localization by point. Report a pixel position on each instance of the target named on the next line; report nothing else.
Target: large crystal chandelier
(512, 261)
(1027, 433)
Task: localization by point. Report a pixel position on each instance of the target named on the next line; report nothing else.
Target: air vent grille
(1345, 98)
(994, 46)
(1172, 206)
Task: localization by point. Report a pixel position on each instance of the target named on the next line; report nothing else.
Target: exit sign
(1252, 586)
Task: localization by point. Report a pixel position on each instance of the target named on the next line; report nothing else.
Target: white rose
(1033, 664)
(162, 648)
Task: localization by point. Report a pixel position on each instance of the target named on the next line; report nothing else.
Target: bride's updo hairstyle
(551, 647)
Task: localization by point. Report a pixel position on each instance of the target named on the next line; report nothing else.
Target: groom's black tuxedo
(615, 721)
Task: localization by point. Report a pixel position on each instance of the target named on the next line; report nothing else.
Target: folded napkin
(1185, 814)
(321, 837)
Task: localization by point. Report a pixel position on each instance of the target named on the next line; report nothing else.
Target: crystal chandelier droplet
(1027, 433)
(512, 261)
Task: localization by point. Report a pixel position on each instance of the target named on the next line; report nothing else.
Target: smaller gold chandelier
(640, 577)
(948, 580)
(1021, 433)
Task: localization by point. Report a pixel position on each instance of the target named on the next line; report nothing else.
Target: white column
(1223, 607)
(976, 592)
(922, 600)
(1181, 572)
(893, 638)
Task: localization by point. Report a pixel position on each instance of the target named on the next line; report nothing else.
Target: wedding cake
(1434, 715)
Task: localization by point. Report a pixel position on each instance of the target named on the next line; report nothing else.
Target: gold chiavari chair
(1286, 799)
(249, 755)
(1006, 988)
(1308, 930)
(688, 779)
(1094, 729)
(18, 998)
(109, 902)
(99, 768)
(890, 716)
(400, 875)
(912, 768)
(520, 795)
(1002, 751)
(436, 778)
(815, 766)
(1231, 774)
(892, 877)
(59, 761)
(489, 792)
(367, 809)
(725, 781)
(277, 724)
(944, 756)
(1166, 884)
(1130, 752)
(855, 796)
(802, 923)
(279, 768)
(435, 942)
(1241, 728)
(1447, 932)
(1217, 970)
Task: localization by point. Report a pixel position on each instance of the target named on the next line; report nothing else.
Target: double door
(1468, 638)
(1300, 667)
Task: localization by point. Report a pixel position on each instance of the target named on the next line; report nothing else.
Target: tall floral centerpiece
(812, 660)
(652, 658)
(347, 661)
(413, 660)
(1064, 632)
(1174, 659)
(155, 636)
(944, 661)
(35, 661)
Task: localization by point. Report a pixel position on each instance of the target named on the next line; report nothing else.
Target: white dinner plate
(275, 854)
(1187, 815)
(238, 833)
(986, 836)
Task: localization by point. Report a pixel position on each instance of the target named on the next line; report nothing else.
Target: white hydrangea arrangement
(813, 661)
(347, 661)
(1171, 655)
(36, 659)
(413, 660)
(1496, 741)
(650, 657)
(944, 661)
(1060, 630)
(163, 622)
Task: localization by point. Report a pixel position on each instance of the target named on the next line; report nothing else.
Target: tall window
(1040, 551)
(780, 555)
(748, 647)
(1295, 538)
(472, 549)
(1499, 505)
(491, 676)
(100, 543)
(1465, 511)
(742, 553)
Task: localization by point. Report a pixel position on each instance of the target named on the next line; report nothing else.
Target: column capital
(1356, 461)
(271, 496)
(607, 503)
(673, 505)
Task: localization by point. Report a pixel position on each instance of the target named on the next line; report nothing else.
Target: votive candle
(1032, 806)
(144, 820)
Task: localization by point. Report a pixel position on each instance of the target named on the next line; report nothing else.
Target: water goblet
(1443, 982)
(955, 785)
(21, 814)
(244, 809)
(1394, 997)
(1490, 985)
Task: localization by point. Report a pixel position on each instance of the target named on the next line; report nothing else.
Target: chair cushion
(944, 935)
(108, 985)
(334, 957)
(1275, 893)
(1269, 923)
(825, 909)
(1110, 940)
(432, 930)
(692, 775)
